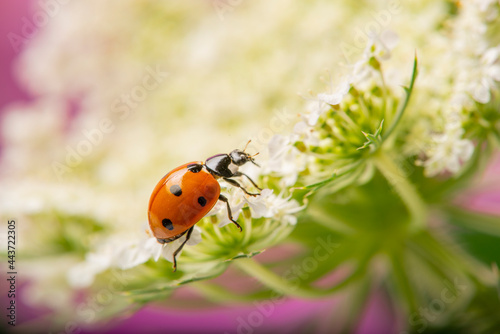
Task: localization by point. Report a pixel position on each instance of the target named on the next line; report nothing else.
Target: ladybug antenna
(252, 161)
(247, 145)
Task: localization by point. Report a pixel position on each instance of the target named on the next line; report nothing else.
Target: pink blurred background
(291, 316)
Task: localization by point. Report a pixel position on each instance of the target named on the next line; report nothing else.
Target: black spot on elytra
(167, 223)
(176, 190)
(202, 201)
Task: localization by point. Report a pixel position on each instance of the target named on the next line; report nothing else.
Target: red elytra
(187, 193)
(183, 197)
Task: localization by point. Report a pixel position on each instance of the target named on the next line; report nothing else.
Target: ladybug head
(239, 157)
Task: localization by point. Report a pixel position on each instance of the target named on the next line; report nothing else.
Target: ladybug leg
(248, 177)
(236, 184)
(229, 214)
(180, 247)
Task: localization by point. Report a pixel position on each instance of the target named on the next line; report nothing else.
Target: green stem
(286, 287)
(397, 178)
(494, 137)
(443, 255)
(402, 107)
(319, 216)
(476, 221)
(218, 294)
(219, 234)
(248, 229)
(345, 319)
(384, 93)
(402, 280)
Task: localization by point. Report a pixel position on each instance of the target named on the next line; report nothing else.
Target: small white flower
(323, 101)
(305, 133)
(488, 8)
(269, 205)
(236, 202)
(122, 252)
(379, 47)
(169, 249)
(448, 151)
(285, 159)
(314, 109)
(259, 206)
(137, 253)
(487, 73)
(335, 97)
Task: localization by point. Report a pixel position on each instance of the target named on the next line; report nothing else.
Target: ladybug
(187, 193)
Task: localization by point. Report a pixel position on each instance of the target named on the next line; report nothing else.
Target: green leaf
(374, 139)
(335, 177)
(475, 221)
(479, 233)
(245, 256)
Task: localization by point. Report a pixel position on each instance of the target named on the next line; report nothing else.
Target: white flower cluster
(477, 62)
(269, 205)
(448, 151)
(473, 67)
(266, 205)
(124, 252)
(285, 158)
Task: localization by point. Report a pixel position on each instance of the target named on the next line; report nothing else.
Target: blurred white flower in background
(488, 73)
(477, 66)
(29, 132)
(448, 151)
